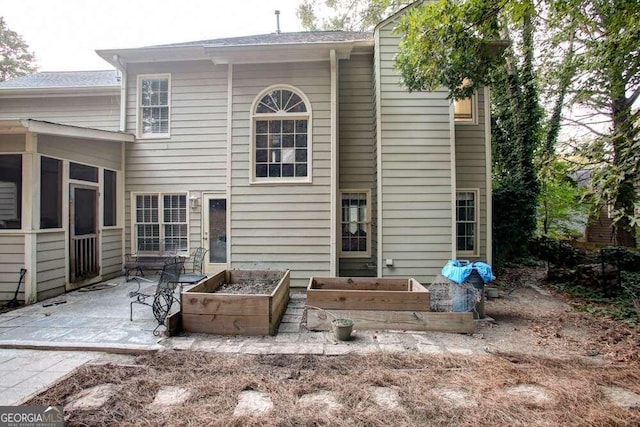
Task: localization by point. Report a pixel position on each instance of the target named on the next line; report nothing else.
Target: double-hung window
(467, 222)
(355, 223)
(281, 147)
(154, 106)
(161, 223)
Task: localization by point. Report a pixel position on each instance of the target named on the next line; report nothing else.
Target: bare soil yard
(545, 365)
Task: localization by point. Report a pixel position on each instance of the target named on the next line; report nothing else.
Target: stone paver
(252, 402)
(622, 397)
(386, 397)
(323, 398)
(91, 398)
(24, 373)
(170, 396)
(456, 398)
(532, 393)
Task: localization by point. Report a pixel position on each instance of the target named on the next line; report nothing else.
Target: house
(285, 150)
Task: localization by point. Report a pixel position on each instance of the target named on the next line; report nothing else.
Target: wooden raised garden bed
(378, 303)
(208, 308)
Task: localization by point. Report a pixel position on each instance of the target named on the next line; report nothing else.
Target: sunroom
(61, 207)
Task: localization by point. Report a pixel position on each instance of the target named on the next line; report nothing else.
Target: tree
(560, 215)
(604, 80)
(463, 45)
(15, 58)
(354, 15)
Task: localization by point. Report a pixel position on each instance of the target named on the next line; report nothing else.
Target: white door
(214, 232)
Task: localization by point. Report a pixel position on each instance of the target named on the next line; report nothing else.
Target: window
(154, 102)
(50, 193)
(463, 109)
(161, 223)
(356, 223)
(281, 136)
(11, 191)
(109, 193)
(466, 221)
(83, 172)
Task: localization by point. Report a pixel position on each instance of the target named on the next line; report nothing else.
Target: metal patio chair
(195, 275)
(163, 298)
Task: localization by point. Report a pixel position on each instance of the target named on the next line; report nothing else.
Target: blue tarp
(458, 271)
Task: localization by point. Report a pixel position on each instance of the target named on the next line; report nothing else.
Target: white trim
(252, 141)
(38, 126)
(489, 190)
(335, 169)
(229, 159)
(476, 213)
(66, 188)
(161, 223)
(139, 133)
(454, 177)
(367, 253)
(380, 223)
(209, 267)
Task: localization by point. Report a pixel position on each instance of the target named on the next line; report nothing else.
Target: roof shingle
(301, 37)
(63, 79)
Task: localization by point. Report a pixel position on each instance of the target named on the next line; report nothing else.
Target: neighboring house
(295, 150)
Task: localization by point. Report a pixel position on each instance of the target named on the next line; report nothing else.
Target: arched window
(281, 147)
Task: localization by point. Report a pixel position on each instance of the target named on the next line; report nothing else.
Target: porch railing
(84, 257)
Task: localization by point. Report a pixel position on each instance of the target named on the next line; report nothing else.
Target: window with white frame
(467, 221)
(281, 148)
(154, 103)
(161, 223)
(355, 223)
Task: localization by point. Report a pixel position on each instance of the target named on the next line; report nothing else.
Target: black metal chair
(163, 298)
(196, 273)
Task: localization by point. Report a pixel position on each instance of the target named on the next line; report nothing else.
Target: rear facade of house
(297, 151)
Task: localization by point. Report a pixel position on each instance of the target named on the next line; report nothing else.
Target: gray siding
(50, 262)
(416, 179)
(471, 157)
(111, 253)
(12, 143)
(92, 111)
(195, 157)
(11, 261)
(96, 153)
(282, 226)
(357, 145)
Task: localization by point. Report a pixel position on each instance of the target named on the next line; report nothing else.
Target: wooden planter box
(378, 303)
(211, 312)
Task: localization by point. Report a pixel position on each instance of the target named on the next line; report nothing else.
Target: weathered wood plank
(210, 284)
(402, 320)
(225, 304)
(278, 303)
(368, 300)
(359, 283)
(226, 325)
(239, 276)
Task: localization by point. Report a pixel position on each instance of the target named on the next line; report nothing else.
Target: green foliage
(603, 79)
(354, 15)
(447, 41)
(561, 213)
(16, 60)
(618, 305)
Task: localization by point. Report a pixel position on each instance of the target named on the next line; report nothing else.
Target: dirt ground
(554, 366)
